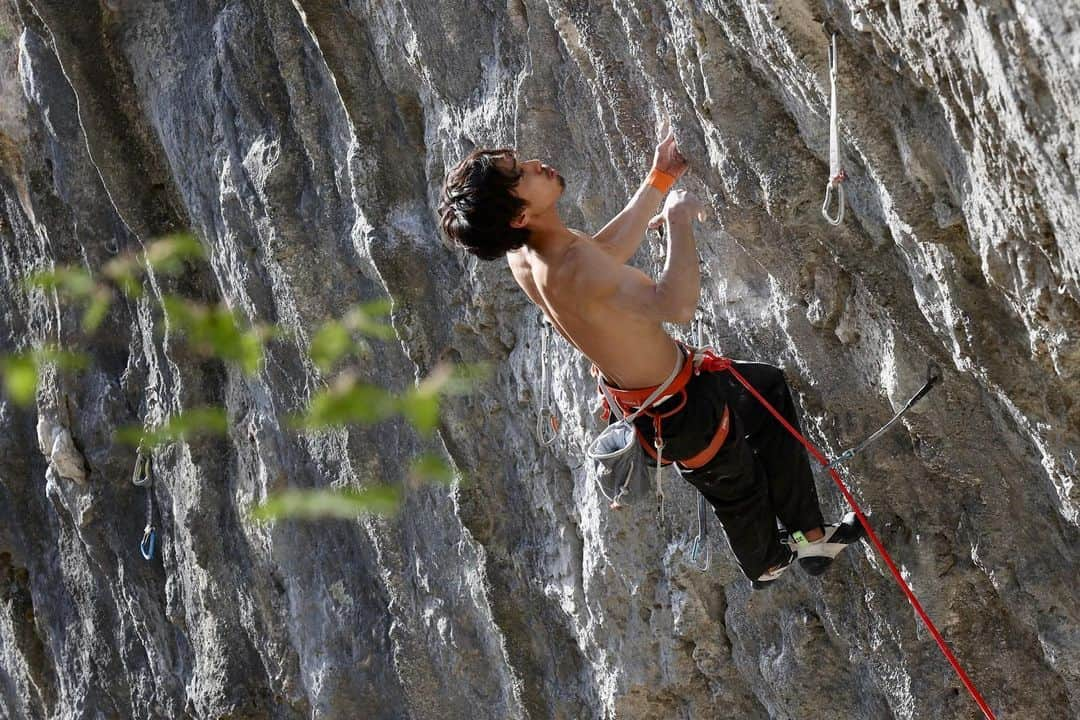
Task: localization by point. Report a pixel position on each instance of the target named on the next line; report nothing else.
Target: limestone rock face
(305, 142)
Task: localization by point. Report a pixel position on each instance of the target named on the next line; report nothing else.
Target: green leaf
(330, 342)
(379, 307)
(267, 332)
(448, 379)
(168, 255)
(130, 286)
(129, 435)
(44, 279)
(97, 309)
(364, 318)
(421, 409)
(317, 504)
(21, 372)
(250, 353)
(375, 329)
(176, 308)
(63, 359)
(124, 271)
(430, 467)
(190, 423)
(348, 402)
(75, 282)
(20, 378)
(436, 379)
(215, 331)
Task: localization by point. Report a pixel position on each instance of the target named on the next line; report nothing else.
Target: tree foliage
(219, 332)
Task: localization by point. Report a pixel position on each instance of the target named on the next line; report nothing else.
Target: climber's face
(539, 185)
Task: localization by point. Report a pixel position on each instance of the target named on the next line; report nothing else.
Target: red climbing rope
(717, 364)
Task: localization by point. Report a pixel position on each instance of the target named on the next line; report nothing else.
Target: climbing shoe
(769, 576)
(816, 556)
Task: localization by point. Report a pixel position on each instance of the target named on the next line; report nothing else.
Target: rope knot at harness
(658, 443)
(707, 361)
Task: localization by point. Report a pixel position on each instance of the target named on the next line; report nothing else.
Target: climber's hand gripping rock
(667, 157)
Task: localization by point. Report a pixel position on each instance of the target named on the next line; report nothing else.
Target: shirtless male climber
(723, 441)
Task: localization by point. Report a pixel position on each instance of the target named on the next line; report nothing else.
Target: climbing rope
(836, 172)
(547, 423)
(725, 364)
(142, 477)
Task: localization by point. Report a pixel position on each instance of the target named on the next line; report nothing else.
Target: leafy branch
(216, 331)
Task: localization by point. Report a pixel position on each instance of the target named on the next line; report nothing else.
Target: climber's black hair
(477, 206)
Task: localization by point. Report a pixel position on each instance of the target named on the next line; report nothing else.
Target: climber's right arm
(597, 277)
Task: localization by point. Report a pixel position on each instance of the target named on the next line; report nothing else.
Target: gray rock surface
(305, 143)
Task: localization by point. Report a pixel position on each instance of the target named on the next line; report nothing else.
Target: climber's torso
(630, 350)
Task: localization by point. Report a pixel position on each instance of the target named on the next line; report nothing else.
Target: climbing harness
(724, 364)
(143, 477)
(623, 432)
(632, 403)
(933, 375)
(836, 172)
(547, 423)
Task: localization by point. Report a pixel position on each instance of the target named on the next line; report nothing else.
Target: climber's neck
(549, 236)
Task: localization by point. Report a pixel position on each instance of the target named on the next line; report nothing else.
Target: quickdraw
(700, 551)
(933, 376)
(836, 172)
(547, 423)
(143, 477)
(700, 547)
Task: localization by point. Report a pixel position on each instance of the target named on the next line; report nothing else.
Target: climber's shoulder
(577, 269)
(587, 268)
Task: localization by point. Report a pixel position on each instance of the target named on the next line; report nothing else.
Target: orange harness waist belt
(630, 400)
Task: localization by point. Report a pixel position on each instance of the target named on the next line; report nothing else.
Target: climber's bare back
(590, 297)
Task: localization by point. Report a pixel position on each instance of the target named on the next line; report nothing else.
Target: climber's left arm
(622, 236)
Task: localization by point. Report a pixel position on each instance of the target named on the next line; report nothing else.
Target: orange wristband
(660, 180)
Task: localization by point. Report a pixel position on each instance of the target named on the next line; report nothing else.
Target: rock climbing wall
(304, 142)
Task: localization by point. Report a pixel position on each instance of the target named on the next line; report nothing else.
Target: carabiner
(141, 475)
(149, 539)
(836, 182)
(552, 421)
(701, 547)
(836, 170)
